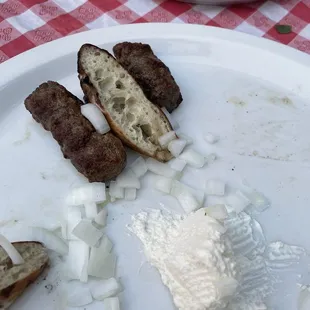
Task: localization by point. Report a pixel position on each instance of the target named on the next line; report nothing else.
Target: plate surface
(252, 92)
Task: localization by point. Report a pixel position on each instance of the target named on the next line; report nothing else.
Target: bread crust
(11, 292)
(91, 95)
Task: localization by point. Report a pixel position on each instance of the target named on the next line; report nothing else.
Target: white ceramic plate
(252, 92)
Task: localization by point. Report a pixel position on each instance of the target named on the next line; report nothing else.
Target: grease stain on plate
(25, 138)
(237, 101)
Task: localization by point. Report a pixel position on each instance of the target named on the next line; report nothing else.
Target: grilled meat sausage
(98, 157)
(152, 75)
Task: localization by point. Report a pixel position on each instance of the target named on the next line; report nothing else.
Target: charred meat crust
(58, 111)
(152, 75)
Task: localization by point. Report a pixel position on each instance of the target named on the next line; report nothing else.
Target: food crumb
(43, 176)
(49, 288)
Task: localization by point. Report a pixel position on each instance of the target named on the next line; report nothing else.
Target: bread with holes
(133, 118)
(14, 279)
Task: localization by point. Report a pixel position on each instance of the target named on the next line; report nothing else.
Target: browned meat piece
(98, 157)
(153, 76)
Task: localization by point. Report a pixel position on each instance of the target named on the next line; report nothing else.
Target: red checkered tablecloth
(25, 24)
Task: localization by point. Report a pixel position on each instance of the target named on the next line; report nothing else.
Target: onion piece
(211, 138)
(215, 187)
(190, 199)
(79, 297)
(84, 272)
(77, 260)
(91, 192)
(87, 232)
(177, 164)
(9, 248)
(98, 255)
(115, 190)
(211, 158)
(166, 138)
(49, 239)
(91, 210)
(259, 201)
(139, 167)
(176, 147)
(130, 193)
(101, 217)
(219, 212)
(304, 298)
(64, 230)
(96, 117)
(104, 268)
(193, 158)
(188, 139)
(163, 184)
(105, 288)
(238, 201)
(127, 179)
(161, 168)
(174, 124)
(74, 216)
(111, 303)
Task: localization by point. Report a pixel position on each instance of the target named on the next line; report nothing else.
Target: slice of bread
(133, 118)
(14, 279)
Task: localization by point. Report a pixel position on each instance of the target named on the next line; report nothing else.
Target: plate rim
(45, 53)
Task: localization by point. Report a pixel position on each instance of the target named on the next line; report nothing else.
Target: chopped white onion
(176, 147)
(77, 260)
(79, 297)
(193, 158)
(111, 303)
(139, 167)
(105, 288)
(127, 179)
(64, 230)
(199, 194)
(91, 210)
(237, 201)
(97, 257)
(105, 267)
(166, 138)
(174, 124)
(190, 199)
(74, 216)
(258, 200)
(115, 190)
(211, 158)
(90, 192)
(84, 273)
(9, 248)
(161, 168)
(215, 187)
(219, 212)
(177, 164)
(163, 184)
(87, 232)
(304, 298)
(50, 240)
(211, 138)
(188, 139)
(101, 217)
(96, 117)
(130, 193)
